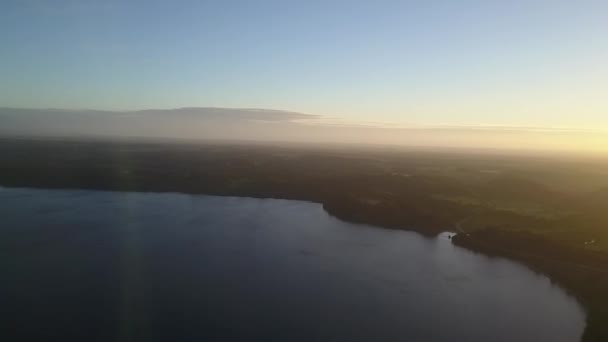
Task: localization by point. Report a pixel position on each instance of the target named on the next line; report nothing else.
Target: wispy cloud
(340, 122)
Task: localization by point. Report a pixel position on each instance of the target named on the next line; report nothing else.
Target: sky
(520, 63)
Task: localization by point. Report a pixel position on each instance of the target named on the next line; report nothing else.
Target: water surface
(107, 266)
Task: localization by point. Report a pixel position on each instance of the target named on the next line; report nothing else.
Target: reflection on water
(85, 265)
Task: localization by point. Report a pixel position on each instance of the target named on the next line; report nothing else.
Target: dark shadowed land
(549, 213)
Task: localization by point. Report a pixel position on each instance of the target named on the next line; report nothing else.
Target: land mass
(546, 212)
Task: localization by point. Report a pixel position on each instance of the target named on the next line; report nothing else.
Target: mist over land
(265, 125)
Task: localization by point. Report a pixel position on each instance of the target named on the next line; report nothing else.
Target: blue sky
(513, 63)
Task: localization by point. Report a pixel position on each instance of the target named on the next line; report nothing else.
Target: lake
(109, 266)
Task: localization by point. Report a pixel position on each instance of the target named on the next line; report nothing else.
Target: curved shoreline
(594, 331)
(588, 284)
(358, 187)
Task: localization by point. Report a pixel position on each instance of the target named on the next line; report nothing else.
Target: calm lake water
(106, 266)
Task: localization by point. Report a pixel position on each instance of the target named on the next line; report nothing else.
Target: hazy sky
(514, 63)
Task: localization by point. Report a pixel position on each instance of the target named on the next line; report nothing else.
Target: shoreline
(470, 241)
(352, 186)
